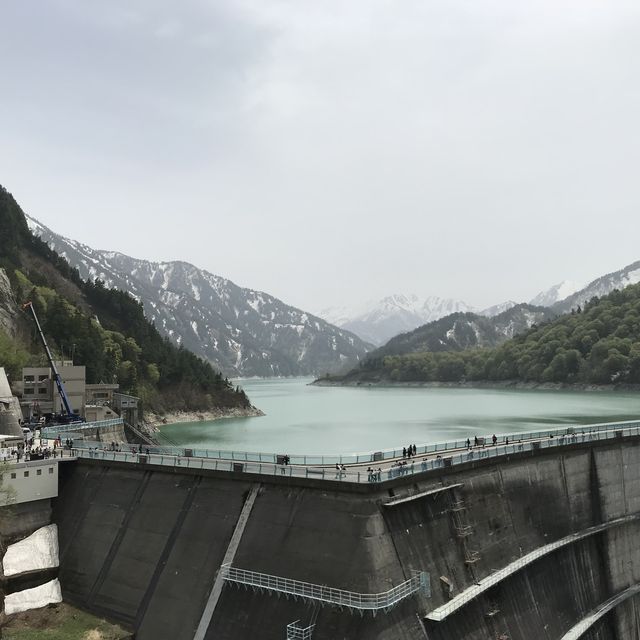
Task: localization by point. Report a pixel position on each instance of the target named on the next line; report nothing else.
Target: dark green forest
(106, 329)
(598, 344)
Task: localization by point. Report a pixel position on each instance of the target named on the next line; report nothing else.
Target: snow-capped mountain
(241, 331)
(555, 294)
(378, 321)
(601, 287)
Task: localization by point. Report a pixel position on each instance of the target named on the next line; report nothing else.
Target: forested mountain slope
(106, 328)
(597, 344)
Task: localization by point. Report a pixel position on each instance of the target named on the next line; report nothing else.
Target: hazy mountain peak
(379, 320)
(555, 294)
(497, 309)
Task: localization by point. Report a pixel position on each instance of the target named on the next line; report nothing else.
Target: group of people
(374, 475)
(409, 452)
(401, 467)
(479, 442)
(28, 452)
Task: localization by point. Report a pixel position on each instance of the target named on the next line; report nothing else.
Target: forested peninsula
(598, 344)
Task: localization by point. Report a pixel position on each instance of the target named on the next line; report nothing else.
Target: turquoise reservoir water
(306, 419)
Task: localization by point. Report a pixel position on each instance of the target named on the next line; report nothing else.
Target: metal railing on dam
(372, 457)
(172, 457)
(352, 600)
(73, 428)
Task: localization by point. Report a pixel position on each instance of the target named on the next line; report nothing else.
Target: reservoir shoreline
(154, 420)
(516, 385)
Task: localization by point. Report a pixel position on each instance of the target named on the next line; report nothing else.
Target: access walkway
(442, 612)
(360, 602)
(585, 624)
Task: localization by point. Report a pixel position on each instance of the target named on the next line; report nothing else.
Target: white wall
(36, 480)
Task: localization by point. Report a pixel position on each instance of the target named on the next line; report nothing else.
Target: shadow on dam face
(143, 545)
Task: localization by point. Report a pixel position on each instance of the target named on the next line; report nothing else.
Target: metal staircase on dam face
(463, 529)
(354, 602)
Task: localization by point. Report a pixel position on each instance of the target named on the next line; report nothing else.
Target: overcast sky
(332, 151)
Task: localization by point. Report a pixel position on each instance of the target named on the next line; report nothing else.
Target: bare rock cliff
(8, 307)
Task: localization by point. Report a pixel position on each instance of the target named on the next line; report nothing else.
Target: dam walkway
(388, 469)
(359, 602)
(498, 576)
(81, 434)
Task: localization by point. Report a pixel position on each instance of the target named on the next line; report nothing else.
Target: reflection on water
(306, 419)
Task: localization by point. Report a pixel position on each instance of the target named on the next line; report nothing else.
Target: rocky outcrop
(8, 307)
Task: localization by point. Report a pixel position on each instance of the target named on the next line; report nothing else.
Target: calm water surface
(305, 419)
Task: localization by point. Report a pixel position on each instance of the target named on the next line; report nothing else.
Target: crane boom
(66, 405)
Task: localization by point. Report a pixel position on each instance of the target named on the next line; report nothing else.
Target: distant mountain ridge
(598, 344)
(241, 331)
(461, 331)
(378, 321)
(381, 320)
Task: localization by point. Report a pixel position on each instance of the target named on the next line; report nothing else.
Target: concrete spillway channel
(524, 547)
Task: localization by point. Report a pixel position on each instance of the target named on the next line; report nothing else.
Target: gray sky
(333, 151)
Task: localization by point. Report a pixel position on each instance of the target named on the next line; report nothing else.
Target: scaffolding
(360, 602)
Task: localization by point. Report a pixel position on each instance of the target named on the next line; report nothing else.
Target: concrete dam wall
(545, 539)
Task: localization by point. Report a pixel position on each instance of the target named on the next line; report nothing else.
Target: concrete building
(101, 394)
(29, 481)
(40, 394)
(127, 407)
(100, 402)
